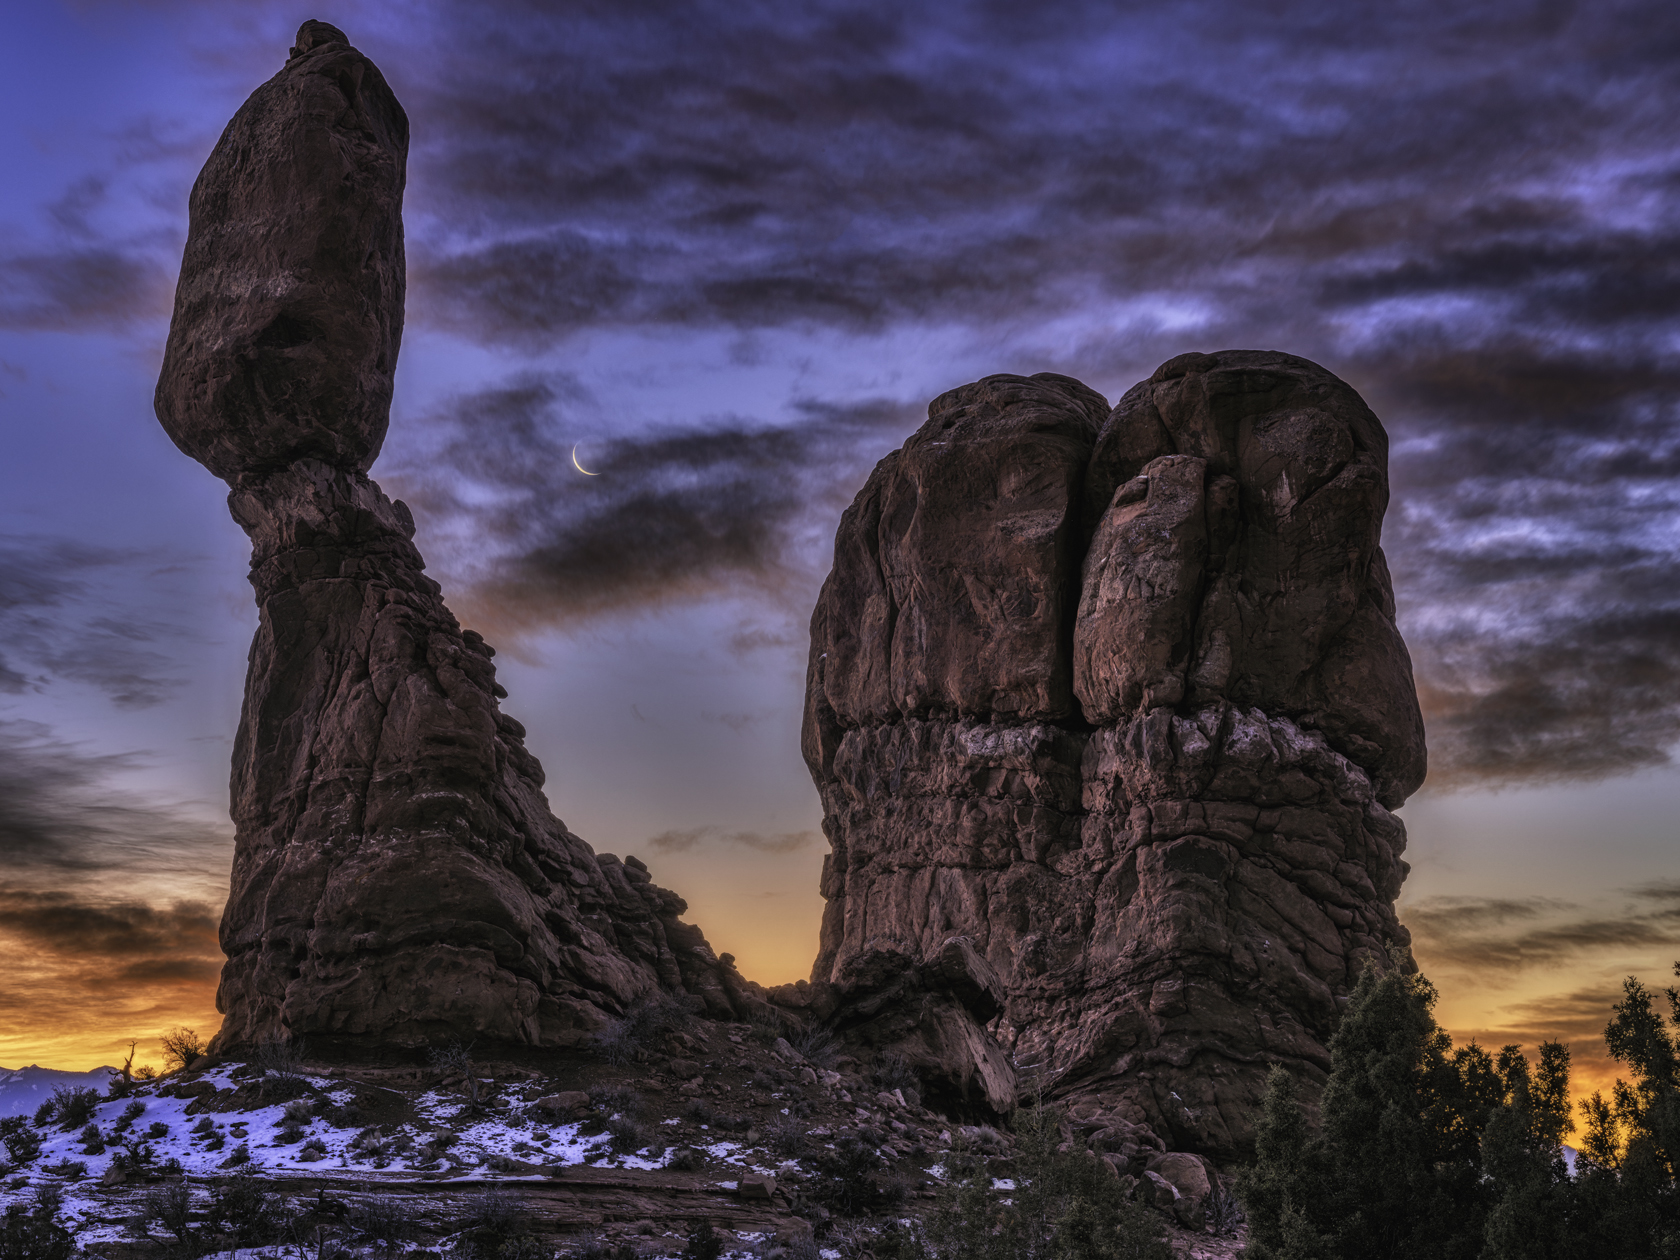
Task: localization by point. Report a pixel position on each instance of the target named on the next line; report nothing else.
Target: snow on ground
(449, 1142)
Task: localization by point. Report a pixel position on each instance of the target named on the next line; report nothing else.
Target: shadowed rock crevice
(398, 877)
(1116, 699)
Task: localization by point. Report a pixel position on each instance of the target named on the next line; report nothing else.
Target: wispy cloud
(62, 815)
(682, 841)
(54, 623)
(676, 513)
(1495, 937)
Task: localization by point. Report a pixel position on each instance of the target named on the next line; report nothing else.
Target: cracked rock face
(1116, 699)
(398, 877)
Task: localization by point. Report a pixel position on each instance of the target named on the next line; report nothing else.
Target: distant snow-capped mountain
(22, 1090)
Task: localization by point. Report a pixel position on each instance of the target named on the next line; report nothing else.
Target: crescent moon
(579, 466)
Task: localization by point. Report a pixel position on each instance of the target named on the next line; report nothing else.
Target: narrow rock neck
(314, 522)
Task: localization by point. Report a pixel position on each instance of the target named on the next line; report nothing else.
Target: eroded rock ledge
(1108, 712)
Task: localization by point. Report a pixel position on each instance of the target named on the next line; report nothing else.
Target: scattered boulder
(1157, 1191)
(563, 1105)
(756, 1186)
(1190, 1177)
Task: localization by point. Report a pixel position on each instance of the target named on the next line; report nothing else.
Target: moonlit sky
(731, 250)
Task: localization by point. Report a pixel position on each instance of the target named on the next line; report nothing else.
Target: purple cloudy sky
(731, 249)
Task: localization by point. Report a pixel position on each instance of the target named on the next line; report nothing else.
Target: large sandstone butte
(1108, 711)
(398, 877)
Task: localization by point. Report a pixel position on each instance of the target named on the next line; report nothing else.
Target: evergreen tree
(1429, 1151)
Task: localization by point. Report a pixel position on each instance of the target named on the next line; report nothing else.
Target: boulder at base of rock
(1189, 1176)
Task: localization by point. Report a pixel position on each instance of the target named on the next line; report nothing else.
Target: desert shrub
(22, 1143)
(182, 1047)
(642, 1029)
(786, 1137)
(384, 1220)
(454, 1059)
(848, 1178)
(279, 1065)
(298, 1111)
(315, 1144)
(72, 1106)
(244, 1209)
(241, 1155)
(158, 1129)
(618, 1100)
(628, 1136)
(817, 1044)
(34, 1235)
(136, 1155)
(1222, 1211)
(893, 1071)
(766, 1027)
(702, 1243)
(170, 1205)
(69, 1169)
(48, 1199)
(598, 1249)
(450, 1059)
(130, 1114)
(204, 1126)
(686, 1159)
(44, 1114)
(93, 1143)
(494, 1230)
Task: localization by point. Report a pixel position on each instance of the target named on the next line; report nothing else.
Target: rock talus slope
(397, 876)
(1108, 712)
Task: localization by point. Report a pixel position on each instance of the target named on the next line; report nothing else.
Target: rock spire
(397, 877)
(1108, 712)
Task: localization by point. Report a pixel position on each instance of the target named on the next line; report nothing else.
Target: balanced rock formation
(397, 877)
(1108, 712)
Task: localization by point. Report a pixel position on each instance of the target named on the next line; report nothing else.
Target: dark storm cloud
(1469, 211)
(61, 814)
(50, 591)
(862, 163)
(132, 933)
(1506, 936)
(88, 287)
(670, 514)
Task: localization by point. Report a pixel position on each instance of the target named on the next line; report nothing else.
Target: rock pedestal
(398, 877)
(1108, 712)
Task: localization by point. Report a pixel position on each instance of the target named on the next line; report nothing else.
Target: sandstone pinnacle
(398, 877)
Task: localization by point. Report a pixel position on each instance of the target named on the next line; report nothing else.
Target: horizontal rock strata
(1116, 699)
